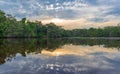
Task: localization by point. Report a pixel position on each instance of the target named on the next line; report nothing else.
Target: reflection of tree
(10, 47)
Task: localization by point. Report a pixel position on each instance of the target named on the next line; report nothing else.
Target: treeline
(111, 31)
(10, 27)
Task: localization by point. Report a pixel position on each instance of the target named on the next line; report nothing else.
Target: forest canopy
(11, 27)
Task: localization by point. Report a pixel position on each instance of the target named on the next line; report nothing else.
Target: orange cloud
(80, 23)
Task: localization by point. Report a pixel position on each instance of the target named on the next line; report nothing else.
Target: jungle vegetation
(11, 27)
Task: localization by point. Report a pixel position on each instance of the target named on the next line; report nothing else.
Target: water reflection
(78, 50)
(59, 56)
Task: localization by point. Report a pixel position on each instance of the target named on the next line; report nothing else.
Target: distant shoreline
(60, 38)
(95, 37)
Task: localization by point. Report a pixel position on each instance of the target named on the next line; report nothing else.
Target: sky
(70, 14)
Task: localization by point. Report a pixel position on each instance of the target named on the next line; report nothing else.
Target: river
(60, 56)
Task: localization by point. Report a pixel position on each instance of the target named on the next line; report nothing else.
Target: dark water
(59, 56)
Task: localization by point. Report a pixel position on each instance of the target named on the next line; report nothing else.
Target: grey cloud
(65, 9)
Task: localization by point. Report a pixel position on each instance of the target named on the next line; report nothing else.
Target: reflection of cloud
(69, 59)
(78, 50)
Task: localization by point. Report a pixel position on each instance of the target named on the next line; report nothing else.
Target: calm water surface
(59, 56)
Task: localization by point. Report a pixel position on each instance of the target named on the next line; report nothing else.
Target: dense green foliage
(10, 27)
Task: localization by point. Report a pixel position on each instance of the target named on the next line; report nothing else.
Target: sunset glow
(56, 20)
(79, 50)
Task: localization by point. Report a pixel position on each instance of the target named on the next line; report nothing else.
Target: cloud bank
(81, 13)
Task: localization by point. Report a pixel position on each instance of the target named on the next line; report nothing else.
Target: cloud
(114, 11)
(97, 11)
